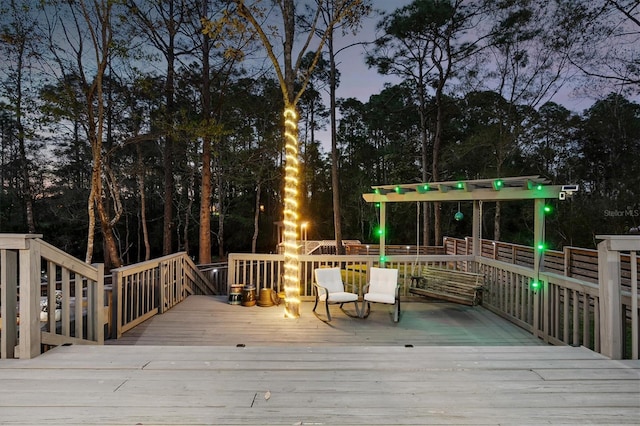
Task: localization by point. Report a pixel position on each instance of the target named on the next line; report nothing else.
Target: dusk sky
(360, 82)
(356, 79)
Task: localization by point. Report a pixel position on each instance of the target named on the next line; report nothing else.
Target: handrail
(563, 310)
(145, 289)
(266, 270)
(572, 261)
(72, 292)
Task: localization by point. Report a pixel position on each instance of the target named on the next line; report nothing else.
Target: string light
(536, 285)
(291, 263)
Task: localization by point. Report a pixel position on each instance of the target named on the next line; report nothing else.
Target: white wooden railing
(561, 310)
(145, 289)
(266, 270)
(32, 274)
(601, 315)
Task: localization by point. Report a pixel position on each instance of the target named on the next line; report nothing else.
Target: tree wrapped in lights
(318, 31)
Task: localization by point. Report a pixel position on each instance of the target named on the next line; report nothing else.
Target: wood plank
(321, 385)
(441, 364)
(208, 320)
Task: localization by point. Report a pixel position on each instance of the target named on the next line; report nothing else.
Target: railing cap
(621, 242)
(16, 241)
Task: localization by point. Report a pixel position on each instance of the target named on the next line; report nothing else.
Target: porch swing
(449, 285)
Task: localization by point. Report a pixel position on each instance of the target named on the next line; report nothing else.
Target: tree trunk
(204, 242)
(167, 225)
(205, 205)
(26, 186)
(88, 257)
(256, 219)
(496, 221)
(143, 205)
(335, 179)
(437, 140)
(221, 203)
(424, 139)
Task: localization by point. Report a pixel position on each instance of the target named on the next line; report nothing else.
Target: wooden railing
(562, 310)
(266, 270)
(145, 289)
(33, 274)
(565, 309)
(217, 274)
(575, 262)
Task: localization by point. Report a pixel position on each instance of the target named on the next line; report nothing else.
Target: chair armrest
(318, 287)
(365, 288)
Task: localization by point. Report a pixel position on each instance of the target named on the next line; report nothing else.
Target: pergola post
(476, 231)
(541, 295)
(383, 230)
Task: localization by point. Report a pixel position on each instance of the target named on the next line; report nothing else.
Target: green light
(539, 187)
(460, 185)
(548, 209)
(377, 191)
(541, 247)
(498, 184)
(379, 232)
(378, 205)
(423, 188)
(383, 259)
(458, 216)
(399, 190)
(535, 284)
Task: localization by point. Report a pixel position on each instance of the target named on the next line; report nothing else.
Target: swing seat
(451, 285)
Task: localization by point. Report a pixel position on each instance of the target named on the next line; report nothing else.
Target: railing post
(30, 338)
(116, 300)
(98, 304)
(633, 259)
(231, 274)
(163, 293)
(8, 300)
(610, 303)
(567, 261)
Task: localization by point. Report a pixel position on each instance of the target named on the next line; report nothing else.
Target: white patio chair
(329, 289)
(382, 288)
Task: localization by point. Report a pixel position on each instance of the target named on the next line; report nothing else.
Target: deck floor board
(442, 364)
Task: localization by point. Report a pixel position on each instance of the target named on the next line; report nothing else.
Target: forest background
(106, 108)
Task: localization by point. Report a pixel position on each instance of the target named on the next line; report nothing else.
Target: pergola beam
(479, 190)
(468, 193)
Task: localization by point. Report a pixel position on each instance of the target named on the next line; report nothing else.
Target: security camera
(562, 195)
(569, 189)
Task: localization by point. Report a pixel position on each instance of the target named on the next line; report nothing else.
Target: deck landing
(205, 320)
(332, 385)
(305, 372)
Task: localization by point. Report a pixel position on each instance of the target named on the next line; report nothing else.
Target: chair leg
(315, 305)
(328, 313)
(365, 312)
(396, 311)
(355, 303)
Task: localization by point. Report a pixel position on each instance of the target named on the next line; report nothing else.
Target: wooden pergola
(533, 188)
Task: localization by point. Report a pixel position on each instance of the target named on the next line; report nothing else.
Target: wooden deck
(207, 320)
(235, 365)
